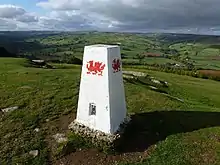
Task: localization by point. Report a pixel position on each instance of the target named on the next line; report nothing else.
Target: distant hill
(176, 38)
(5, 53)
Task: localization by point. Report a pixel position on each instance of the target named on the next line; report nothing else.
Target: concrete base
(85, 131)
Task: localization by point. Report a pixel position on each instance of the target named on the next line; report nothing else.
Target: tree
(73, 60)
(140, 57)
(186, 53)
(123, 56)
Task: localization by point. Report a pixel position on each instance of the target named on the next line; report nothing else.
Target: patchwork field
(212, 73)
(177, 126)
(205, 56)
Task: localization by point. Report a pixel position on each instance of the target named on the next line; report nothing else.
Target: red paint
(116, 65)
(95, 67)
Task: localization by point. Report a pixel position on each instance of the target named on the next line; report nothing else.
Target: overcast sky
(189, 16)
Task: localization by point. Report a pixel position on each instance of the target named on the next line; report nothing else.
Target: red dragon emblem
(116, 65)
(95, 68)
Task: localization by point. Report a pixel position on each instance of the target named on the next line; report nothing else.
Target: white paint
(106, 92)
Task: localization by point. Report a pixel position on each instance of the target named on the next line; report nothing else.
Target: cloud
(7, 25)
(74, 20)
(10, 11)
(27, 18)
(16, 18)
(145, 14)
(16, 13)
(53, 20)
(119, 15)
(62, 21)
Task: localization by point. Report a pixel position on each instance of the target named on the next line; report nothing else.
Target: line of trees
(180, 71)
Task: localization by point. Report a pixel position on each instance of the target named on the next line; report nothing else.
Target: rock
(6, 110)
(34, 153)
(9, 135)
(133, 73)
(128, 76)
(176, 98)
(153, 87)
(60, 138)
(156, 81)
(25, 87)
(96, 135)
(36, 130)
(181, 100)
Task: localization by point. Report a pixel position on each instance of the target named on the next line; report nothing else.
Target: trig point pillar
(101, 104)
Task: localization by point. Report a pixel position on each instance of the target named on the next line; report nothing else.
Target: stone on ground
(10, 109)
(60, 138)
(34, 153)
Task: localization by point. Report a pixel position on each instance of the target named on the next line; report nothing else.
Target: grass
(73, 44)
(152, 60)
(173, 132)
(40, 95)
(53, 47)
(203, 55)
(203, 52)
(178, 137)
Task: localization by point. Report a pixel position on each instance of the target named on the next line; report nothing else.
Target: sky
(180, 16)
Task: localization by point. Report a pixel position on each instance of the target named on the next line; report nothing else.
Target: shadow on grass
(146, 129)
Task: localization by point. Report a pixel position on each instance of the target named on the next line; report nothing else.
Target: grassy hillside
(73, 44)
(197, 51)
(168, 131)
(204, 56)
(200, 51)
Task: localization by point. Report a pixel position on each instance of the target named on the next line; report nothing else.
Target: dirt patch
(93, 157)
(53, 127)
(61, 124)
(88, 156)
(64, 121)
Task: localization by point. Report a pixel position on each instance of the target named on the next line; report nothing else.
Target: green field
(165, 130)
(203, 55)
(201, 52)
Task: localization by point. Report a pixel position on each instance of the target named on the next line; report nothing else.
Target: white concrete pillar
(101, 104)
